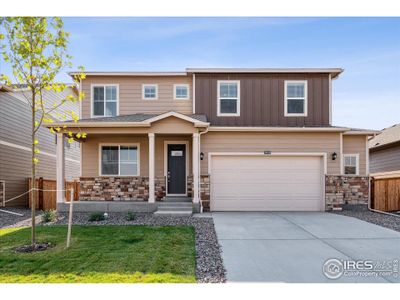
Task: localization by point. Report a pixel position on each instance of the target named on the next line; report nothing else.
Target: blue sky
(366, 95)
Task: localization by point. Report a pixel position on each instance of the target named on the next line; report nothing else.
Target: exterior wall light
(334, 156)
(201, 155)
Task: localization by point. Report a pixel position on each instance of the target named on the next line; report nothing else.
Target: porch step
(177, 199)
(176, 204)
(173, 213)
(174, 208)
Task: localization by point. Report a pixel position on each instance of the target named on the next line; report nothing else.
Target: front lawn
(101, 254)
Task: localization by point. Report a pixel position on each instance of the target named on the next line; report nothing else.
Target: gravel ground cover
(209, 265)
(384, 220)
(9, 220)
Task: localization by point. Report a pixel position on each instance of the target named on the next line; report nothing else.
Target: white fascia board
(279, 129)
(94, 73)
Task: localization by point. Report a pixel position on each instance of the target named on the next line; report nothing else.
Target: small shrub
(49, 216)
(130, 216)
(97, 216)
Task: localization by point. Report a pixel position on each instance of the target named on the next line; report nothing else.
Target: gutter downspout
(200, 133)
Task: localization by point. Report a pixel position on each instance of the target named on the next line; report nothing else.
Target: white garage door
(266, 183)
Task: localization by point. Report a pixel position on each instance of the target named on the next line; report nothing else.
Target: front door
(176, 175)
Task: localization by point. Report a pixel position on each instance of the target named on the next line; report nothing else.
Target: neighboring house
(15, 143)
(384, 150)
(230, 139)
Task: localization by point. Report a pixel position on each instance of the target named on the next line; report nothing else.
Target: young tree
(36, 50)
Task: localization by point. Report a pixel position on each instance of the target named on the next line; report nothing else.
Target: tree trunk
(33, 176)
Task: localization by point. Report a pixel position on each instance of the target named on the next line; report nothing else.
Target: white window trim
(357, 156)
(137, 145)
(152, 85)
(304, 114)
(92, 86)
(237, 114)
(188, 91)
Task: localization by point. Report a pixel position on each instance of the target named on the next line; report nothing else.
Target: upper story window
(350, 164)
(181, 91)
(122, 160)
(228, 98)
(105, 100)
(150, 91)
(295, 98)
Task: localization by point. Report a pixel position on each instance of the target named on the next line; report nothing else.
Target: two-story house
(15, 143)
(230, 139)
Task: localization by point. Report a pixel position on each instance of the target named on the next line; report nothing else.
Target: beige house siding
(15, 154)
(91, 160)
(276, 142)
(130, 94)
(356, 144)
(385, 160)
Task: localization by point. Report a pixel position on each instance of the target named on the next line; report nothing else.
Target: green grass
(100, 254)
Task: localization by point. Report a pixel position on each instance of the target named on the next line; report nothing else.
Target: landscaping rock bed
(10, 220)
(384, 220)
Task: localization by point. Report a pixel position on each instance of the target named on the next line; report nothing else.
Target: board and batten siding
(15, 154)
(385, 160)
(356, 144)
(262, 99)
(130, 94)
(275, 142)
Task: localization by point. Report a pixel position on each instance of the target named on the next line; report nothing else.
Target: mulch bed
(33, 248)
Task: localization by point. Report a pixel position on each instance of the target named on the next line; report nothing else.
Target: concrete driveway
(293, 246)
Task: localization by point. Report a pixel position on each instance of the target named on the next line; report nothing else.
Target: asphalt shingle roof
(136, 118)
(387, 136)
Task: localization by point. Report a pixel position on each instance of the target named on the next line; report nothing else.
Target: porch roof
(133, 120)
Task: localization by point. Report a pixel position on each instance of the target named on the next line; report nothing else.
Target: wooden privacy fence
(385, 192)
(48, 200)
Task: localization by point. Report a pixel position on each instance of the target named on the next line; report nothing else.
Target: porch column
(151, 168)
(60, 168)
(195, 167)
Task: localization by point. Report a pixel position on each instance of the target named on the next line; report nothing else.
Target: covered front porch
(136, 167)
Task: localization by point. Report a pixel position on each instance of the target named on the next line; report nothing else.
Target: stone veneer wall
(119, 188)
(205, 192)
(160, 187)
(189, 184)
(340, 190)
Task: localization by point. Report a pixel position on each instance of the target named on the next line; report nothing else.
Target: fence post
(372, 193)
(40, 194)
(75, 190)
(71, 201)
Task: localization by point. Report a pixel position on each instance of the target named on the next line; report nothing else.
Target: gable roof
(388, 136)
(138, 120)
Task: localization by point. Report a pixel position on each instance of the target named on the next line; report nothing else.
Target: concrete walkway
(293, 246)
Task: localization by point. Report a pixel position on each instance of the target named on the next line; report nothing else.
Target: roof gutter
(277, 129)
(109, 124)
(335, 72)
(362, 132)
(94, 73)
